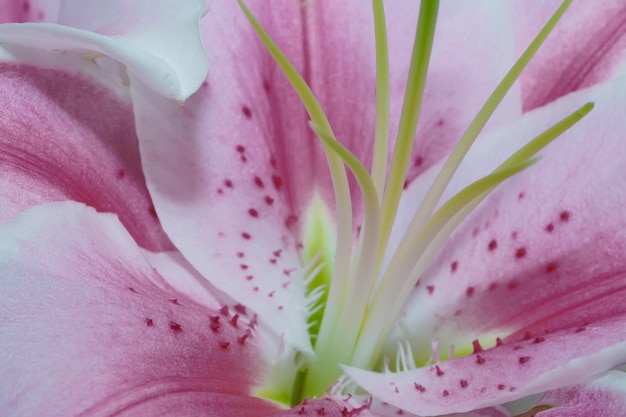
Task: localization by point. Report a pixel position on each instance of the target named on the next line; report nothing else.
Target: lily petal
(234, 169)
(216, 172)
(485, 412)
(540, 260)
(12, 11)
(604, 396)
(176, 273)
(503, 373)
(65, 137)
(85, 332)
(380, 408)
(528, 255)
(143, 35)
(326, 406)
(586, 48)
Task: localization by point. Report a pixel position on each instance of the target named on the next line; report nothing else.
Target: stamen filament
(436, 232)
(454, 160)
(353, 306)
(433, 195)
(416, 82)
(381, 138)
(394, 294)
(544, 139)
(360, 308)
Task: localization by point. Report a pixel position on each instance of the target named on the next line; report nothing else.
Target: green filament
(381, 137)
(360, 302)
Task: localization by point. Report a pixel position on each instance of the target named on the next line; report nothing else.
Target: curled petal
(85, 332)
(502, 373)
(143, 35)
(215, 170)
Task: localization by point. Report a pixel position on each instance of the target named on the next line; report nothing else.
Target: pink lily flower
(102, 316)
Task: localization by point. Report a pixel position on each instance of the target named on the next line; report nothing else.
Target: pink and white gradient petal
(233, 170)
(145, 36)
(604, 396)
(544, 251)
(503, 373)
(66, 137)
(379, 408)
(86, 332)
(175, 272)
(326, 406)
(19, 11)
(216, 173)
(539, 265)
(586, 48)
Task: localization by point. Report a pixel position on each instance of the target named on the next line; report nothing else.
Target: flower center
(359, 295)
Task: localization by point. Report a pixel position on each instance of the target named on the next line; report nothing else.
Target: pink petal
(174, 272)
(144, 35)
(328, 407)
(588, 46)
(379, 408)
(85, 332)
(503, 373)
(555, 271)
(485, 412)
(28, 10)
(219, 180)
(602, 397)
(544, 251)
(232, 170)
(65, 137)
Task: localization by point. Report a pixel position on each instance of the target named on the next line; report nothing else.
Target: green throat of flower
(359, 299)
